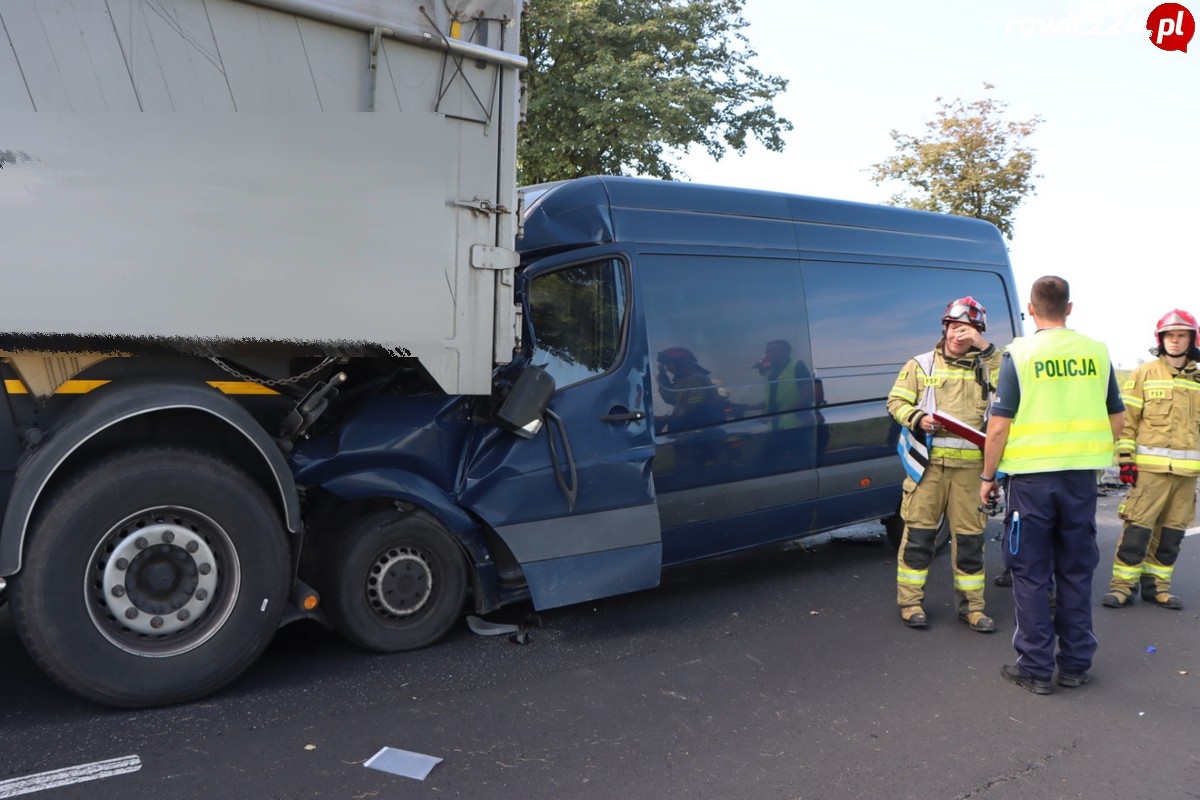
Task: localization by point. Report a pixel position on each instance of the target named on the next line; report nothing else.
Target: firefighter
(954, 378)
(685, 386)
(1159, 457)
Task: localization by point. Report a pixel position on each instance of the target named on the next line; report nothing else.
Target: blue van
(703, 370)
(721, 360)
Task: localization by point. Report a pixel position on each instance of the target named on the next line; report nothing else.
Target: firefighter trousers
(954, 492)
(1156, 511)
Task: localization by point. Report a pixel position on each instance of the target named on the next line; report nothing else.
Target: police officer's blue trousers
(1051, 536)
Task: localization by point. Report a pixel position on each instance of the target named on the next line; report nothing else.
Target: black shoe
(1073, 680)
(1011, 674)
(1004, 579)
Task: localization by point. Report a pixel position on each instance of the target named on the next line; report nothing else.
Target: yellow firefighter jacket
(1162, 418)
(956, 391)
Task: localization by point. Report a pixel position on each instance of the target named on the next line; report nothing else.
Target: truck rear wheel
(394, 581)
(156, 576)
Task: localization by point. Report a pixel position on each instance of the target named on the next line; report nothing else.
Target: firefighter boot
(1159, 566)
(1159, 597)
(978, 621)
(912, 569)
(969, 581)
(1127, 566)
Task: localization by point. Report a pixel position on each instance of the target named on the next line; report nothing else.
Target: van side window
(578, 319)
(898, 308)
(710, 321)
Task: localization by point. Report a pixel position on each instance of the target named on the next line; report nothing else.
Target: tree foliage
(615, 86)
(970, 162)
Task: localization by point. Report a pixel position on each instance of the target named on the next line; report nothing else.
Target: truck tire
(395, 581)
(155, 576)
(894, 527)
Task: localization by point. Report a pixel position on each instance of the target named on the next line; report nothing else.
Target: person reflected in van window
(781, 373)
(686, 386)
(789, 390)
(955, 378)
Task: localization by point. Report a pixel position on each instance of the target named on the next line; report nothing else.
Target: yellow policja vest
(1062, 417)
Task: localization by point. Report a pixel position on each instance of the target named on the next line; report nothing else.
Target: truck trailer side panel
(187, 223)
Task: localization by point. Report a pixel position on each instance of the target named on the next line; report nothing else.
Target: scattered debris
(485, 628)
(1151, 649)
(404, 763)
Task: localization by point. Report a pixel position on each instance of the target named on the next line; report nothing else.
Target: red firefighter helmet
(677, 354)
(969, 310)
(1176, 320)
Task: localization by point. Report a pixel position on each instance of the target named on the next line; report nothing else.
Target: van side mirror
(527, 401)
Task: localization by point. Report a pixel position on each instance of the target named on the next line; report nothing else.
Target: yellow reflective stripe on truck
(83, 387)
(241, 387)
(68, 387)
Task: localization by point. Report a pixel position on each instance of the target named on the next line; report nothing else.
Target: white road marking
(1192, 531)
(69, 775)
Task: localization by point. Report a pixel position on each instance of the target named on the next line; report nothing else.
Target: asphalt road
(784, 673)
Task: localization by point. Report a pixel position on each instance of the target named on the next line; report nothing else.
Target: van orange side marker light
(864, 482)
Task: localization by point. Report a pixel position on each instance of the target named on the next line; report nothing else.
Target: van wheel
(394, 582)
(156, 576)
(894, 527)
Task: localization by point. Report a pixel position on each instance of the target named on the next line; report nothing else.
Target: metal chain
(274, 381)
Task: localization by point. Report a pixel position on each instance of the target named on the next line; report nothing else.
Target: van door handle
(623, 416)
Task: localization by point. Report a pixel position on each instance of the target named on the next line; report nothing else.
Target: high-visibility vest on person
(788, 395)
(1062, 417)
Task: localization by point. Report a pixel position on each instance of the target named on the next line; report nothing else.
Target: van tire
(394, 581)
(154, 576)
(894, 528)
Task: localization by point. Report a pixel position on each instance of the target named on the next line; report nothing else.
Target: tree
(969, 162)
(614, 86)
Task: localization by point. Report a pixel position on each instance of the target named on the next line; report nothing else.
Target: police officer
(955, 378)
(1159, 456)
(1056, 414)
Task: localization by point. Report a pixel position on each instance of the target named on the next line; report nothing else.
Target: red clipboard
(960, 428)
